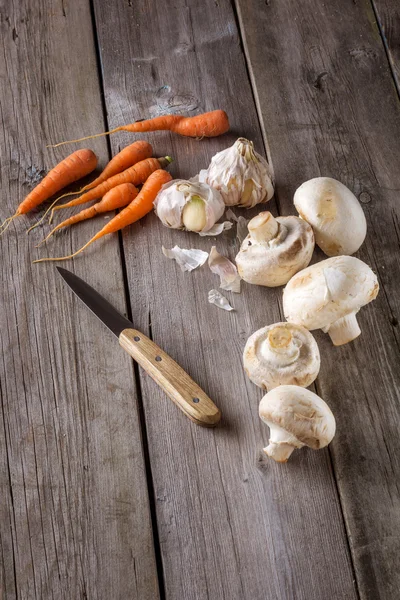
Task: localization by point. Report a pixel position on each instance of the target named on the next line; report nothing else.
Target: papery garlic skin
(243, 176)
(187, 259)
(190, 205)
(215, 297)
(227, 271)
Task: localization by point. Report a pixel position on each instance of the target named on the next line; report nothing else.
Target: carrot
(128, 157)
(138, 208)
(209, 124)
(117, 197)
(136, 175)
(76, 165)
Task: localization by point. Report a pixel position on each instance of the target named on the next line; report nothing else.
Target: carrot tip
(5, 225)
(89, 137)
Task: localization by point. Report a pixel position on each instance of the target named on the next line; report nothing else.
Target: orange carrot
(138, 208)
(210, 124)
(117, 197)
(136, 175)
(72, 168)
(128, 157)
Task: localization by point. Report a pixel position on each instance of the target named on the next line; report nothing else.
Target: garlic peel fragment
(241, 224)
(187, 259)
(227, 271)
(217, 229)
(215, 297)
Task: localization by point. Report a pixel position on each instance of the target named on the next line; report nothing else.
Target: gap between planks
(135, 366)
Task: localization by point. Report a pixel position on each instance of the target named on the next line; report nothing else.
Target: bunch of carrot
(116, 185)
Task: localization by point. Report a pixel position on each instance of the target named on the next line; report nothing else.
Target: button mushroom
(334, 213)
(296, 418)
(283, 353)
(328, 295)
(275, 249)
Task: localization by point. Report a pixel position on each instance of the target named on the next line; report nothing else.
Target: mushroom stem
(279, 451)
(344, 330)
(263, 227)
(280, 348)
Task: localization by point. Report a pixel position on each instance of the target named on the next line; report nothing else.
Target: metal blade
(97, 304)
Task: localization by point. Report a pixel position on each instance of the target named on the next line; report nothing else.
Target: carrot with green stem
(209, 124)
(138, 208)
(117, 197)
(76, 165)
(136, 175)
(129, 156)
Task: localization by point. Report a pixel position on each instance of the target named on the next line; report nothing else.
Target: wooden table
(107, 490)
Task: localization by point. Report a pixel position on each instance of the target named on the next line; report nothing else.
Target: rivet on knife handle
(176, 383)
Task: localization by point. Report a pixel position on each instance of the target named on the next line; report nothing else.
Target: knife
(175, 382)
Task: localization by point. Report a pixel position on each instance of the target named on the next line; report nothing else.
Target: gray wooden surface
(74, 510)
(113, 493)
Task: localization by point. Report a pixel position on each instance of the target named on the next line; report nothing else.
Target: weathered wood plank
(74, 507)
(387, 13)
(329, 107)
(230, 526)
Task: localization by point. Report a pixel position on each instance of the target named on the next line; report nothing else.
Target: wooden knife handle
(175, 382)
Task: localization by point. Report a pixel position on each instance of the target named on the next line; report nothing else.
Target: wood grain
(387, 14)
(243, 528)
(172, 379)
(74, 512)
(330, 108)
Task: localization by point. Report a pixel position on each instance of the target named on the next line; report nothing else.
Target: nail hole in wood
(158, 358)
(136, 338)
(196, 400)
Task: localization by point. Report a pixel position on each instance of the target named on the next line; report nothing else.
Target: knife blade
(175, 382)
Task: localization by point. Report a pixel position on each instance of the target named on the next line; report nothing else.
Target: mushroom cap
(329, 290)
(300, 413)
(273, 263)
(279, 354)
(334, 213)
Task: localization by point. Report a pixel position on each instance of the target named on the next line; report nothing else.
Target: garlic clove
(194, 214)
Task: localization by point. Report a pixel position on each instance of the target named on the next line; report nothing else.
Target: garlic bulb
(242, 175)
(190, 205)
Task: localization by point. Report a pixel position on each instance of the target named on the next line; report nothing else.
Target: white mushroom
(334, 213)
(275, 249)
(328, 295)
(281, 354)
(296, 418)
